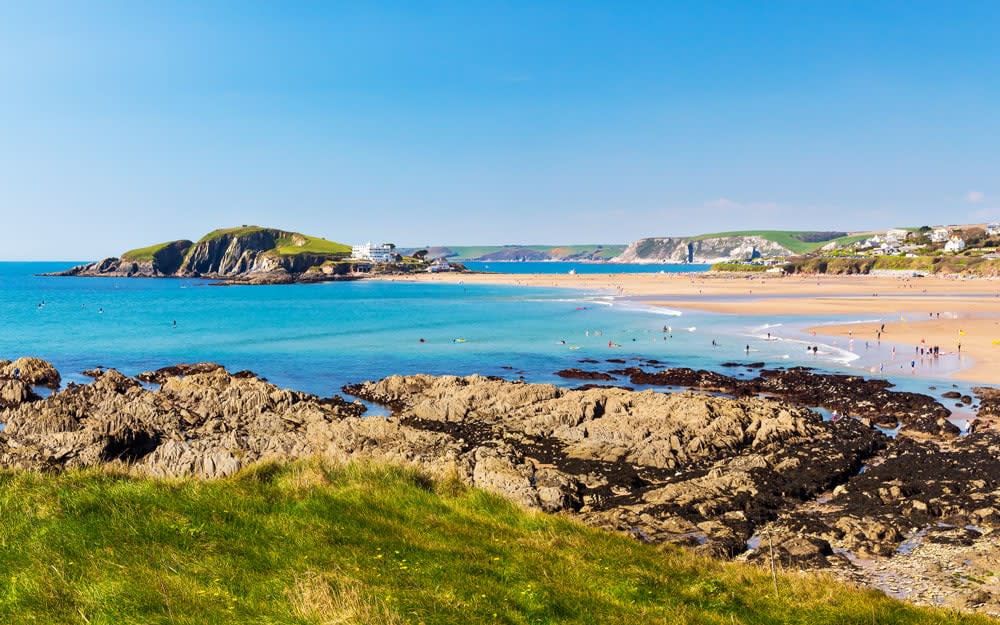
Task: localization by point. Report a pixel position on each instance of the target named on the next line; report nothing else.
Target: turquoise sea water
(566, 267)
(320, 337)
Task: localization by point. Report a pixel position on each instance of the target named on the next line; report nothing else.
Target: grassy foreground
(309, 543)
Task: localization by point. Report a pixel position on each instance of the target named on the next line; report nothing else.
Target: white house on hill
(940, 235)
(993, 229)
(955, 244)
(384, 253)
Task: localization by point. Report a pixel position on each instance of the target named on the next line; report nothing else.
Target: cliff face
(234, 253)
(712, 250)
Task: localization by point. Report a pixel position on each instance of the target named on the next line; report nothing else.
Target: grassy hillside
(287, 246)
(221, 232)
(799, 242)
(147, 253)
(312, 544)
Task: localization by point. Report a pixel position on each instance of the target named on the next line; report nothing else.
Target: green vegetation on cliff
(799, 242)
(363, 545)
(221, 232)
(290, 244)
(148, 253)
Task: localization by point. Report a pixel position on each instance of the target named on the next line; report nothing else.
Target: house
(954, 245)
(439, 265)
(897, 234)
(940, 235)
(385, 253)
(993, 229)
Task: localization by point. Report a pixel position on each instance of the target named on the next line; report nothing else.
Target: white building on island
(385, 253)
(993, 229)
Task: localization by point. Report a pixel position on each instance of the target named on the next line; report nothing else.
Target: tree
(420, 254)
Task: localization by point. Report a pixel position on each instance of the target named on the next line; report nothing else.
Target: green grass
(785, 238)
(313, 245)
(146, 253)
(363, 545)
(221, 232)
(285, 242)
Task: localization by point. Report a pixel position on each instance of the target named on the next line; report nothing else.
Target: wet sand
(969, 305)
(979, 338)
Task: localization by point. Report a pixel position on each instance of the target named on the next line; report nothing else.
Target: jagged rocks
(869, 399)
(34, 371)
(636, 459)
(15, 392)
(160, 375)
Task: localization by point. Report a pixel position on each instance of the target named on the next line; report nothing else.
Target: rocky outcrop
(680, 467)
(248, 255)
(872, 400)
(700, 250)
(165, 261)
(33, 371)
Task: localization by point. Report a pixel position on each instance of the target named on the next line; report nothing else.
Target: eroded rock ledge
(710, 472)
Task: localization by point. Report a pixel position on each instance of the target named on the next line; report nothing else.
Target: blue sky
(126, 123)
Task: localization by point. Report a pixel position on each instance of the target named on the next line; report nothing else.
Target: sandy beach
(909, 306)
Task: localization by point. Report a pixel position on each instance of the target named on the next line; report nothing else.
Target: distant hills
(703, 248)
(487, 253)
(734, 245)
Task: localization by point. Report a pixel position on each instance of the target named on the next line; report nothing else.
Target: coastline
(964, 304)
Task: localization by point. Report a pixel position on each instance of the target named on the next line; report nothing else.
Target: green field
(788, 239)
(365, 545)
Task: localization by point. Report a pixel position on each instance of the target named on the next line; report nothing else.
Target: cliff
(700, 250)
(248, 253)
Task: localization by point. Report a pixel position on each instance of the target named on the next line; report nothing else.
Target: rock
(15, 392)
(580, 374)
(160, 375)
(923, 417)
(650, 450)
(34, 371)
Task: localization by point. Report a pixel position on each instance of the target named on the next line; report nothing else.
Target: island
(259, 255)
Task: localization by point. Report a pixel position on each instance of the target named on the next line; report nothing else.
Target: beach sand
(977, 339)
(969, 305)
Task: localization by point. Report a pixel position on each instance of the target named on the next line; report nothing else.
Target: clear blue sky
(125, 123)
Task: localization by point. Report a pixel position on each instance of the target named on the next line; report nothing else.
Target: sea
(319, 337)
